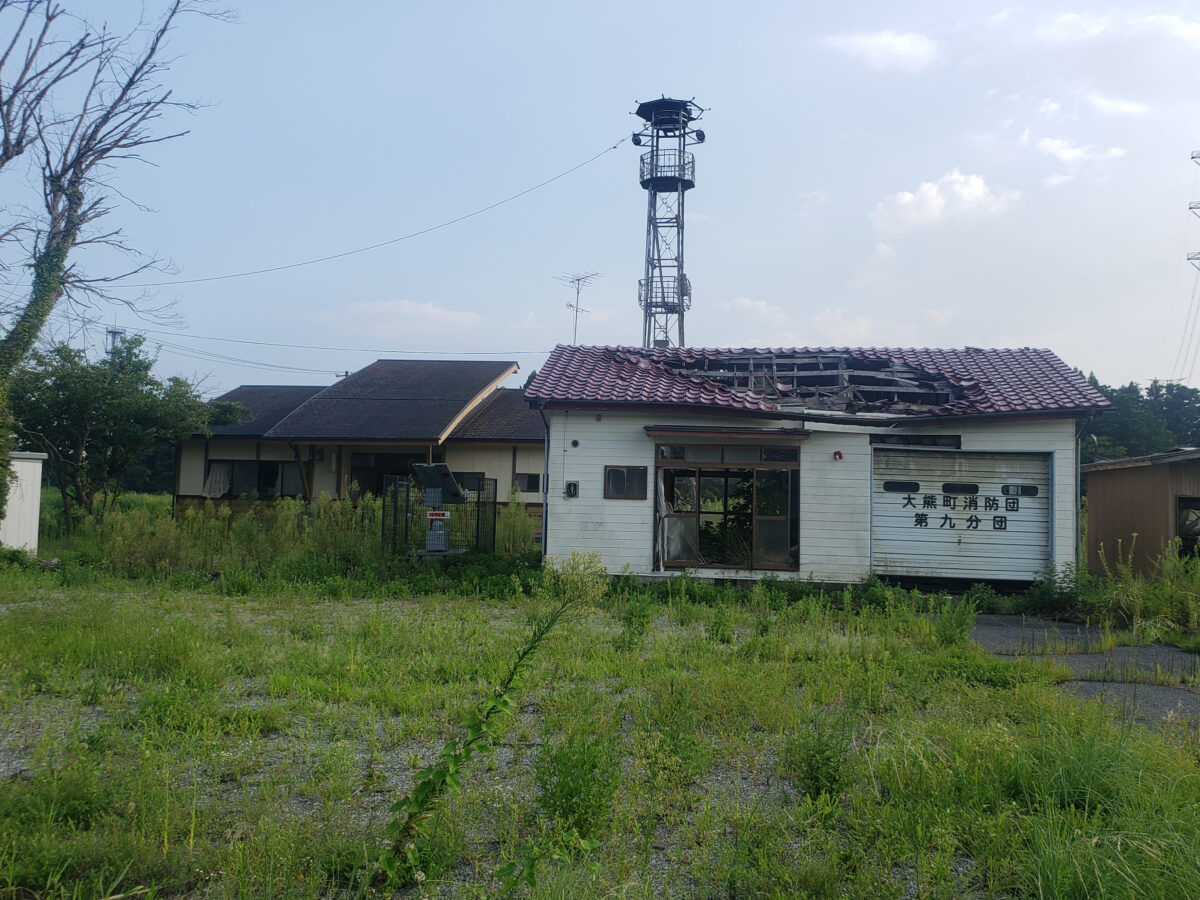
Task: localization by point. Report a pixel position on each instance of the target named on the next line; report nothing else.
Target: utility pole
(578, 281)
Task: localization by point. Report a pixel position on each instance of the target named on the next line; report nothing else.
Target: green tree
(1179, 407)
(95, 420)
(1133, 426)
(74, 101)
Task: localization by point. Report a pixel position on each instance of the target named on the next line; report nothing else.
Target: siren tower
(667, 172)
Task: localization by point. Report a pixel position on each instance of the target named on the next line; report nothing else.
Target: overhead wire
(396, 240)
(286, 346)
(1190, 341)
(1187, 336)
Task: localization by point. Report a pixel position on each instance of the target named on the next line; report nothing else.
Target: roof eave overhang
(772, 434)
(484, 394)
(611, 406)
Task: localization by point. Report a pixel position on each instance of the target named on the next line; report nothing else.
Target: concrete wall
(19, 528)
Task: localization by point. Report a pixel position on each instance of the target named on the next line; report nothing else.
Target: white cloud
(834, 327)
(1063, 150)
(1049, 108)
(761, 311)
(1186, 31)
(999, 18)
(940, 316)
(1112, 106)
(745, 322)
(400, 318)
(906, 50)
(1067, 27)
(953, 196)
(1073, 156)
(808, 201)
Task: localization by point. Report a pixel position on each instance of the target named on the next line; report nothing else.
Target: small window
(671, 451)
(1019, 490)
(740, 454)
(960, 487)
(529, 482)
(469, 481)
(902, 487)
(625, 482)
(704, 452)
(780, 454)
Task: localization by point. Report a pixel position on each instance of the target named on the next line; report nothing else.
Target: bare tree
(113, 86)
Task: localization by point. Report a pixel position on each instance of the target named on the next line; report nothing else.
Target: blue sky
(919, 174)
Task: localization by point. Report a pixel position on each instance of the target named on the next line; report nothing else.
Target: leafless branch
(32, 65)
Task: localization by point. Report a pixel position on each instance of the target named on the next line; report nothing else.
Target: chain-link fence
(416, 522)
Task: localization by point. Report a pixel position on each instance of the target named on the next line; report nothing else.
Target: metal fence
(416, 523)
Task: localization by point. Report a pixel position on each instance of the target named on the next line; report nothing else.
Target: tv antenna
(578, 281)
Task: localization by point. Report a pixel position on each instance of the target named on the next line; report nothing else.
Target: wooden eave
(471, 407)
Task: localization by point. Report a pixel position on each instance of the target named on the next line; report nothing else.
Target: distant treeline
(1142, 421)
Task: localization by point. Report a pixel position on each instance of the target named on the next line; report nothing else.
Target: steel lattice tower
(668, 172)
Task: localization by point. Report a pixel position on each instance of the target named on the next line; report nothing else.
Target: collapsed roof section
(823, 380)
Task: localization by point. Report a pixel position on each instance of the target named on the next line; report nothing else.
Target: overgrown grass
(687, 740)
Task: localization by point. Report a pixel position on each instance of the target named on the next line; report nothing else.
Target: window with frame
(227, 478)
(624, 482)
(469, 481)
(731, 506)
(529, 482)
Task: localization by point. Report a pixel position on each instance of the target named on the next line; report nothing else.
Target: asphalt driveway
(1151, 684)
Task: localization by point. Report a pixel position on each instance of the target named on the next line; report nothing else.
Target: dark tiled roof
(393, 400)
(985, 382)
(627, 375)
(505, 417)
(268, 403)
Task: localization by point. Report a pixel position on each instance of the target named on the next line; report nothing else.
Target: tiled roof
(627, 375)
(984, 382)
(504, 417)
(393, 400)
(267, 404)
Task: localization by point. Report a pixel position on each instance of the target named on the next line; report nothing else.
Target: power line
(387, 243)
(382, 350)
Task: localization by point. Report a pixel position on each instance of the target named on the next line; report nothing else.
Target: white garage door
(949, 514)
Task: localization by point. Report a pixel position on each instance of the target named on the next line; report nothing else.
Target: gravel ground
(1151, 684)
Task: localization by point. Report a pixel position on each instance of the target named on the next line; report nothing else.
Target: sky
(875, 174)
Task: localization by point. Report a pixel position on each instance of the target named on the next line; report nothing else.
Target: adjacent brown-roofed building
(827, 462)
(1140, 505)
(304, 441)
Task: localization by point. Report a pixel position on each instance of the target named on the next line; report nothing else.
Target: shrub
(577, 779)
(514, 528)
(816, 755)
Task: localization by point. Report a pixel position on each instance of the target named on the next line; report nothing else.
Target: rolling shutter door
(978, 516)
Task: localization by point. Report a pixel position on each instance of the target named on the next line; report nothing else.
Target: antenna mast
(578, 281)
(667, 172)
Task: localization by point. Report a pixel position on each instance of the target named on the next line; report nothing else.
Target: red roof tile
(986, 382)
(626, 375)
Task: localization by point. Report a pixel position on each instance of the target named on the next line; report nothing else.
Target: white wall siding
(19, 527)
(621, 531)
(835, 507)
(835, 494)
